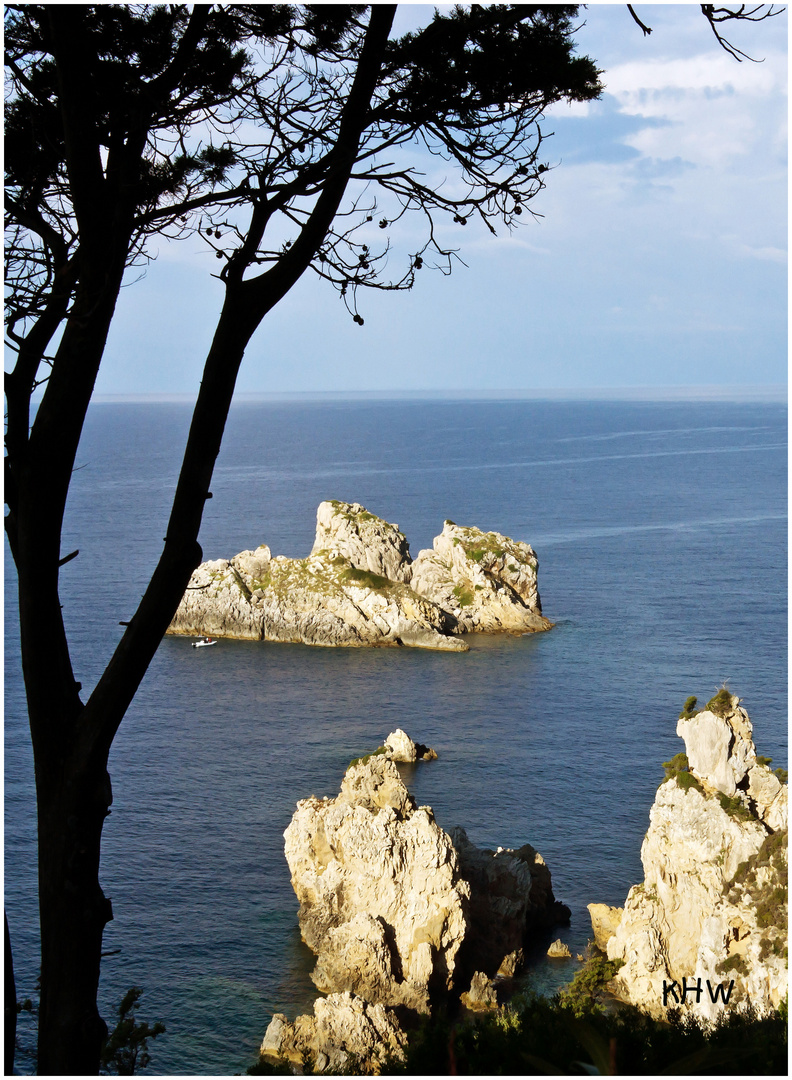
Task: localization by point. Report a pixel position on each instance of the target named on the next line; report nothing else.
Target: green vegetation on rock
(464, 595)
(678, 769)
(763, 880)
(689, 708)
(535, 1035)
(367, 757)
(721, 704)
(366, 578)
(735, 807)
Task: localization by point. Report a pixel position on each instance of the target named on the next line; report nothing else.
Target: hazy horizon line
(768, 393)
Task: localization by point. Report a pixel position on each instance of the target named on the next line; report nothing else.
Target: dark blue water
(661, 535)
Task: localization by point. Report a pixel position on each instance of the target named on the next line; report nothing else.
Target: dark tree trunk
(73, 801)
(10, 1006)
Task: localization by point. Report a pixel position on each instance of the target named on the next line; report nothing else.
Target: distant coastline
(772, 393)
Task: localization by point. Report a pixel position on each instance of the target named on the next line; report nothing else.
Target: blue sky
(660, 258)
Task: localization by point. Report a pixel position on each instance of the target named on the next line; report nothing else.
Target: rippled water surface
(661, 536)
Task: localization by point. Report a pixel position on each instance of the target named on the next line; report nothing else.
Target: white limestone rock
(366, 541)
(394, 907)
(482, 995)
(218, 603)
(400, 747)
(713, 902)
(344, 1034)
(559, 951)
(374, 872)
(320, 600)
(604, 923)
(359, 588)
(487, 581)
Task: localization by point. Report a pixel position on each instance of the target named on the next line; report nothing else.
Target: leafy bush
(689, 708)
(678, 769)
(735, 962)
(126, 1048)
(721, 704)
(540, 1036)
(733, 806)
(583, 994)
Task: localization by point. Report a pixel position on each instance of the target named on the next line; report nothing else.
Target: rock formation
(400, 747)
(713, 905)
(364, 540)
(604, 922)
(357, 588)
(485, 580)
(511, 893)
(398, 911)
(345, 1034)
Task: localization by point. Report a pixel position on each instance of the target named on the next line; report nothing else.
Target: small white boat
(199, 644)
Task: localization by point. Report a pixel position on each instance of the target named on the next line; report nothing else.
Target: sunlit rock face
(358, 588)
(344, 1035)
(713, 904)
(399, 912)
(487, 581)
(366, 541)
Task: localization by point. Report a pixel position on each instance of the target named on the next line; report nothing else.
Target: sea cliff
(712, 909)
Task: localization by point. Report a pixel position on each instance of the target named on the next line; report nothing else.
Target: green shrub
(537, 1035)
(735, 962)
(365, 577)
(763, 760)
(721, 704)
(733, 806)
(464, 595)
(689, 708)
(583, 994)
(678, 769)
(782, 775)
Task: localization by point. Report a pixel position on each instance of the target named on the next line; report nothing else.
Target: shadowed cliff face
(713, 905)
(358, 587)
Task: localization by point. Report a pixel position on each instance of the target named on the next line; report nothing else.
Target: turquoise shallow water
(661, 536)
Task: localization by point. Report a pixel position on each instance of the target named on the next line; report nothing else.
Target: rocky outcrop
(356, 588)
(482, 995)
(559, 951)
(510, 894)
(398, 911)
(345, 1034)
(400, 747)
(604, 922)
(713, 905)
(487, 581)
(363, 540)
(382, 901)
(321, 600)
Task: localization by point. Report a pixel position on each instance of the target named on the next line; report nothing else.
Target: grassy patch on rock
(678, 769)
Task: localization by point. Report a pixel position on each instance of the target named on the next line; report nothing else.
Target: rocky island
(360, 587)
(712, 909)
(400, 914)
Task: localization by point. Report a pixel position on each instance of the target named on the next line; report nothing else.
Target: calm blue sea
(661, 535)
